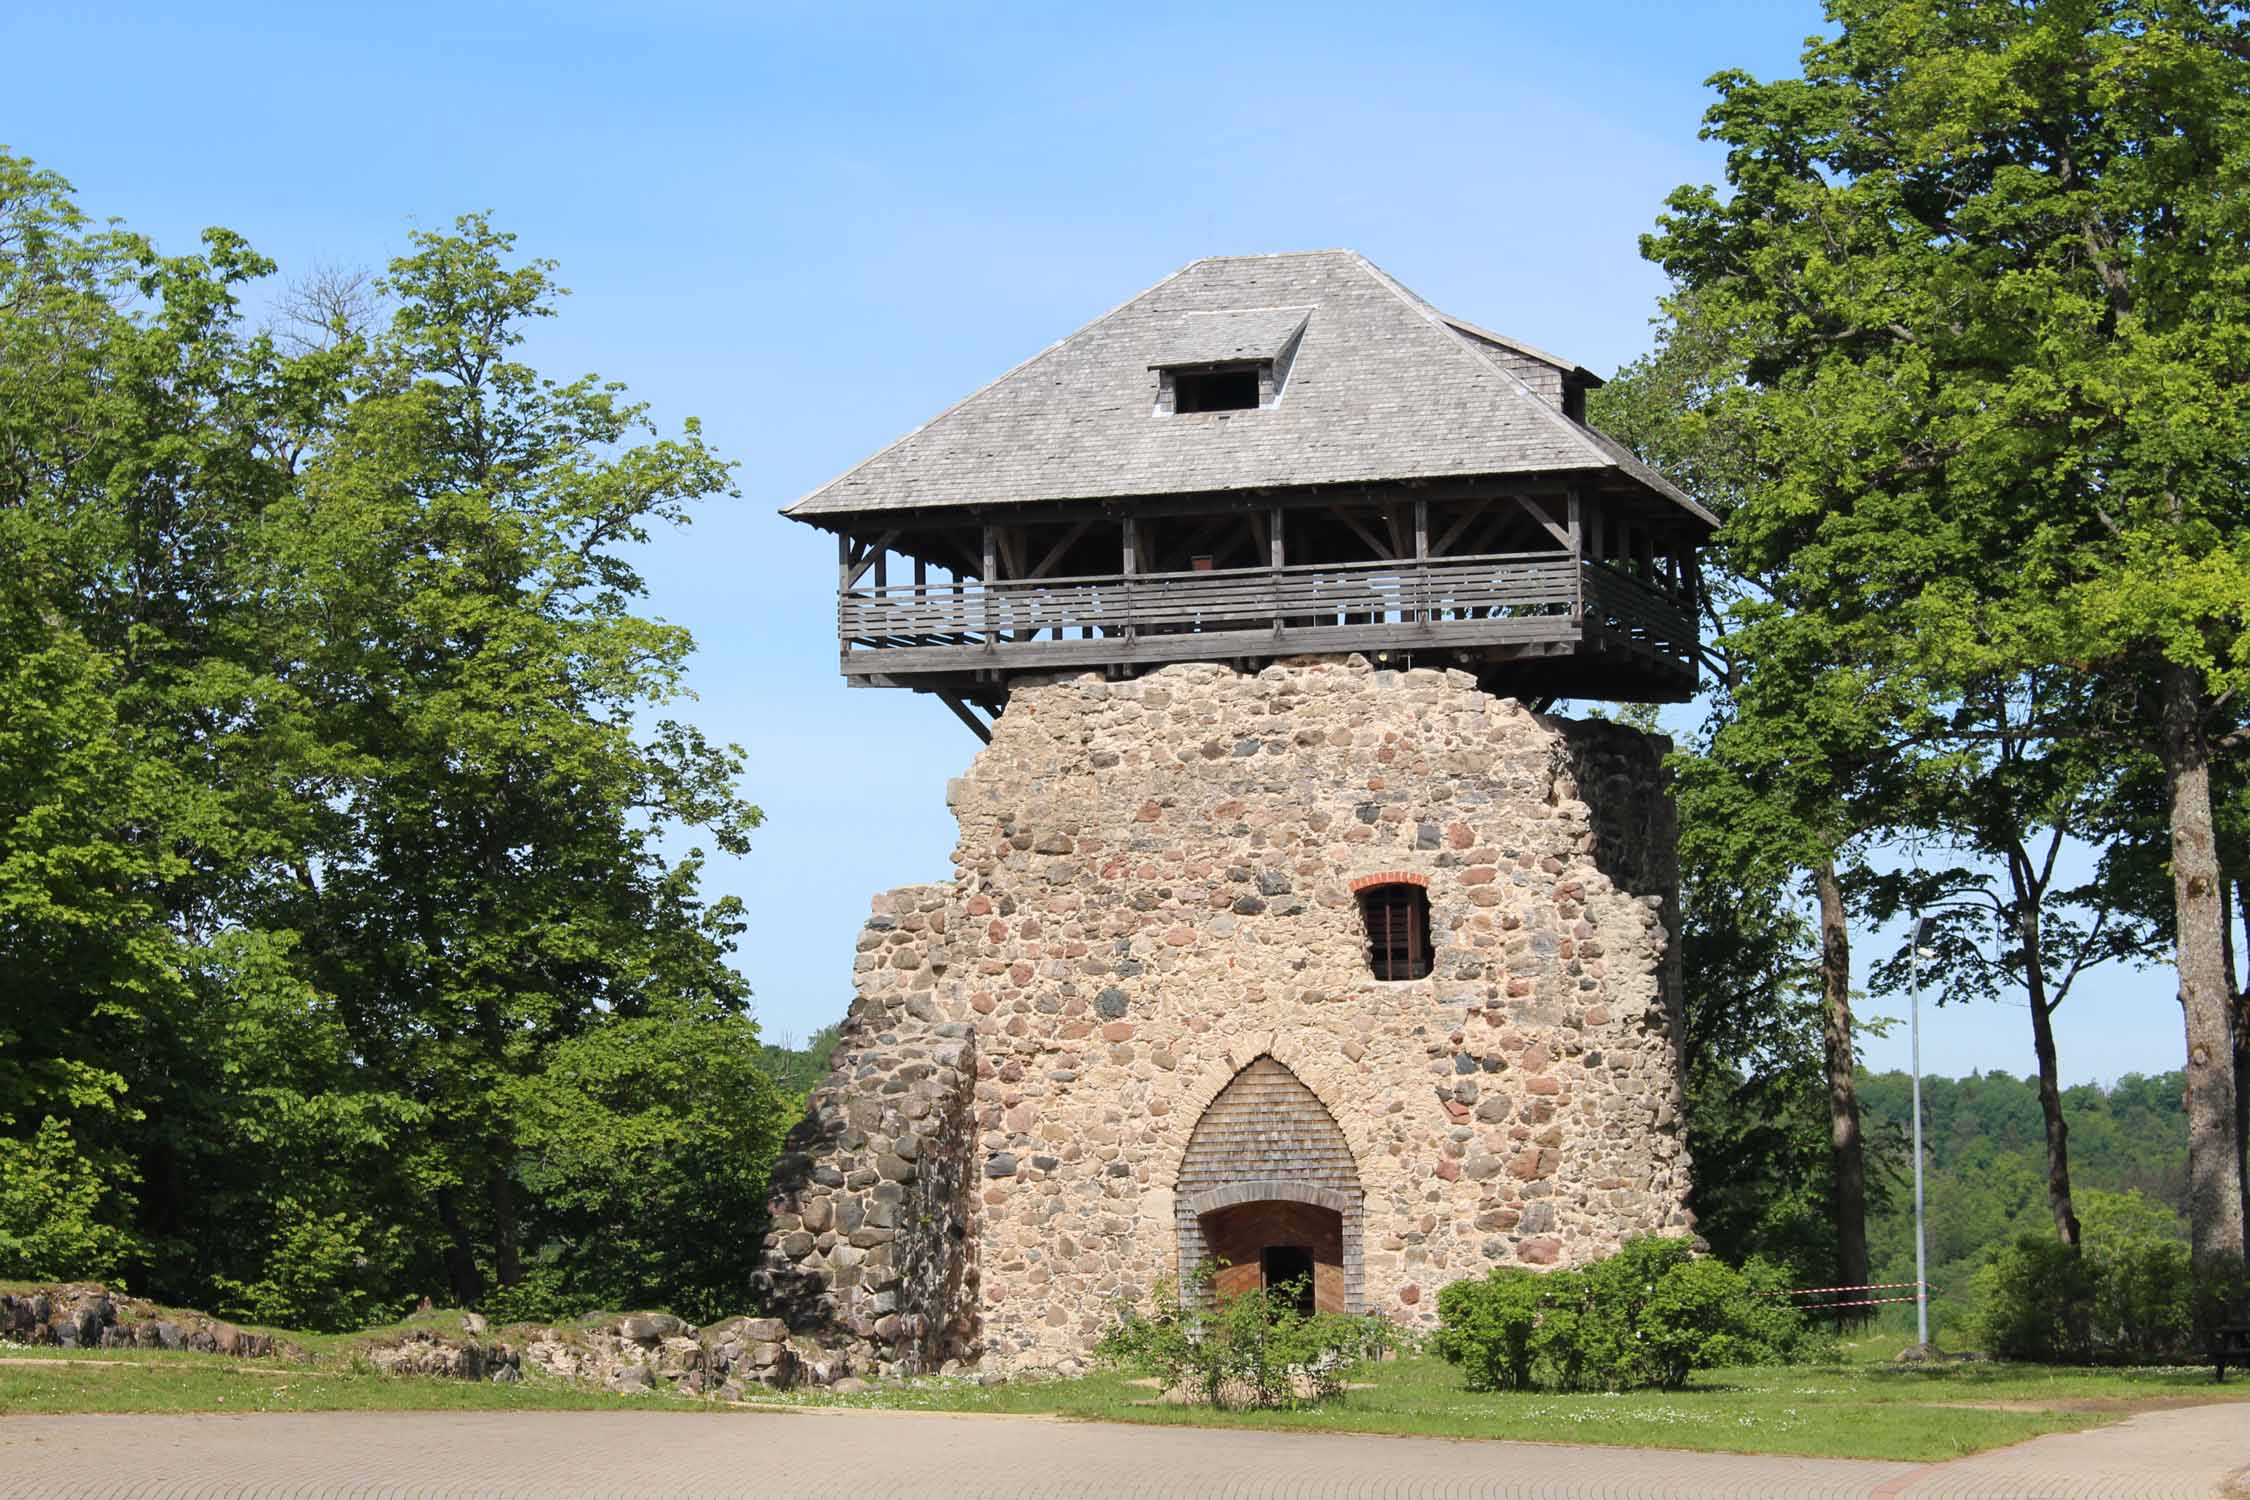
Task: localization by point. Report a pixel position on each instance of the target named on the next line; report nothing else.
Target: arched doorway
(1268, 1188)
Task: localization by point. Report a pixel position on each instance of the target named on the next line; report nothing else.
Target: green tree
(1756, 1077)
(1993, 259)
(646, 1145)
(496, 782)
(1798, 763)
(2016, 780)
(350, 943)
(134, 427)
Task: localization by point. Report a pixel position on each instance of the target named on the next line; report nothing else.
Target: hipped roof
(1382, 387)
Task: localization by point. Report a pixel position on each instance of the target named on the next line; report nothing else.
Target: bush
(538, 1296)
(1646, 1316)
(1487, 1327)
(319, 1273)
(1252, 1349)
(2131, 1294)
(59, 1210)
(2035, 1301)
(1769, 1328)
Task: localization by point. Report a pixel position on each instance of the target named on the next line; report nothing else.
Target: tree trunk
(2241, 1061)
(2058, 1133)
(1845, 1156)
(460, 1262)
(2215, 1220)
(507, 1264)
(2050, 1083)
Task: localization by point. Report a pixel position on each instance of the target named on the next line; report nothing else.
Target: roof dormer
(1234, 359)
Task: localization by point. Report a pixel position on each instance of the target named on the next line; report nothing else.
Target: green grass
(150, 1380)
(1860, 1406)
(1855, 1408)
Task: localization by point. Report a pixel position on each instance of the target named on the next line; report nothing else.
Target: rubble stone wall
(1153, 890)
(867, 1256)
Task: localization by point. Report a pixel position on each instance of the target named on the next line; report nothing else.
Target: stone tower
(1282, 930)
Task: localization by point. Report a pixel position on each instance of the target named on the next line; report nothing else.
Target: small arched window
(1398, 930)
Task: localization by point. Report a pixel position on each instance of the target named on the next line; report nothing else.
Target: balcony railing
(1455, 601)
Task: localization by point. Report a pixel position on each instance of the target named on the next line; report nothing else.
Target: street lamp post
(1914, 1030)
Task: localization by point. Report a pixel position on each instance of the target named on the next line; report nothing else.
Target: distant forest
(1985, 1177)
(795, 1068)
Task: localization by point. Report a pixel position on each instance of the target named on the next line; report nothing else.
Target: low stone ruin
(641, 1353)
(88, 1317)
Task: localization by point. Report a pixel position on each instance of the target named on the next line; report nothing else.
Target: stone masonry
(1154, 890)
(867, 1258)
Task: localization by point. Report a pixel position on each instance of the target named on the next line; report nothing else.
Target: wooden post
(991, 602)
(1280, 560)
(960, 709)
(1421, 561)
(1577, 559)
(1132, 566)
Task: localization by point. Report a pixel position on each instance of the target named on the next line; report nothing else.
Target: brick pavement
(868, 1455)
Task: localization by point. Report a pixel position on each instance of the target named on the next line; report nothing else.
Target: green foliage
(2151, 1300)
(58, 1216)
(646, 1142)
(1252, 1349)
(317, 1272)
(1489, 1327)
(1975, 289)
(1986, 1176)
(1756, 1080)
(798, 1070)
(348, 902)
(2130, 1294)
(1645, 1316)
(2036, 1302)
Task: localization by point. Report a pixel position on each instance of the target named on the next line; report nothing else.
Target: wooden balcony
(1477, 612)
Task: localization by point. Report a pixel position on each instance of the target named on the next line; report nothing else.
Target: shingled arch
(1267, 1170)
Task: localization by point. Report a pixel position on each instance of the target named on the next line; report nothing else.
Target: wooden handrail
(1434, 601)
(1403, 567)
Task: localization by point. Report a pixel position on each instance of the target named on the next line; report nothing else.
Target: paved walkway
(579, 1455)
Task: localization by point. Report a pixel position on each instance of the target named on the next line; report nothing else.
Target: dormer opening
(1218, 388)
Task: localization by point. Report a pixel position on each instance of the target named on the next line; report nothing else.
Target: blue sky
(816, 226)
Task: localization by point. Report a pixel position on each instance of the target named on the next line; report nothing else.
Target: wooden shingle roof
(1382, 387)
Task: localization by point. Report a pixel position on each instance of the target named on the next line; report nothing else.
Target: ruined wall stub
(1154, 889)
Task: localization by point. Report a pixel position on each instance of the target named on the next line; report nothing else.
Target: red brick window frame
(1395, 909)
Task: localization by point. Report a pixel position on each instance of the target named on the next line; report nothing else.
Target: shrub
(2144, 1301)
(2035, 1301)
(319, 1273)
(2130, 1294)
(1648, 1315)
(538, 1296)
(59, 1210)
(1769, 1328)
(1252, 1349)
(1486, 1327)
